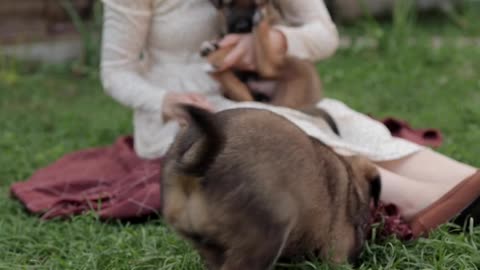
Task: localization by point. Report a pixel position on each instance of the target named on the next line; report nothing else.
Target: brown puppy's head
(238, 14)
(185, 205)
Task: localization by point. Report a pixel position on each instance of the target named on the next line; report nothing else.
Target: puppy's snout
(240, 23)
(243, 26)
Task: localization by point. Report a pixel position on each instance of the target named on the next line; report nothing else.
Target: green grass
(46, 112)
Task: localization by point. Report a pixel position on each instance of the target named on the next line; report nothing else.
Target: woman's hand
(242, 55)
(172, 102)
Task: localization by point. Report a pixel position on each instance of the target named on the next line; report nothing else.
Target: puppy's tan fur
(297, 82)
(246, 187)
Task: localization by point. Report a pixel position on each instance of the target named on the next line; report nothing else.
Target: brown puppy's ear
(197, 155)
(217, 3)
(261, 2)
(375, 189)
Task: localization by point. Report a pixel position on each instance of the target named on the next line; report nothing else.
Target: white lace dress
(151, 47)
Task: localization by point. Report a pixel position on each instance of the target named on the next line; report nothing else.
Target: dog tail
(201, 153)
(321, 113)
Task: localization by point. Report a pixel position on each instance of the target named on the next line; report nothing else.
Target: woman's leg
(430, 167)
(409, 195)
(450, 188)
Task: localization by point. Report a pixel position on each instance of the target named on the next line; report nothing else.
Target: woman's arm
(125, 30)
(310, 33)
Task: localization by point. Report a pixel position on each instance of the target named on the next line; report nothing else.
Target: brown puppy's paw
(208, 47)
(210, 68)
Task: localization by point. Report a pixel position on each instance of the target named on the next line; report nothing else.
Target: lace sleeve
(310, 31)
(125, 30)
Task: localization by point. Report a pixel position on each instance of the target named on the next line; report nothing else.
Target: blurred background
(58, 31)
(51, 31)
(395, 57)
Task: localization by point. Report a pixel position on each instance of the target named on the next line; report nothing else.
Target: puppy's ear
(217, 3)
(375, 189)
(261, 2)
(197, 155)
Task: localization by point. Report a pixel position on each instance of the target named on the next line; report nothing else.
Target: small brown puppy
(246, 187)
(297, 83)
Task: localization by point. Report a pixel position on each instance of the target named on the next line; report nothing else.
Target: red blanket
(117, 184)
(111, 180)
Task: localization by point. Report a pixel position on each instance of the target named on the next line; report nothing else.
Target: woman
(151, 63)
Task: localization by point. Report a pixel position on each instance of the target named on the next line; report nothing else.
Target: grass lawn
(46, 112)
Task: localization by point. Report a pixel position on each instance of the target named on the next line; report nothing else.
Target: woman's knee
(430, 166)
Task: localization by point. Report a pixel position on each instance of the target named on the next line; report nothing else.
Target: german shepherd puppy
(246, 186)
(297, 83)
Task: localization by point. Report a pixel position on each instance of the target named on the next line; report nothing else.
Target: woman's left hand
(242, 56)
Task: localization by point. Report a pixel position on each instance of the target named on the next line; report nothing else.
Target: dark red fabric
(111, 180)
(400, 128)
(387, 222)
(117, 184)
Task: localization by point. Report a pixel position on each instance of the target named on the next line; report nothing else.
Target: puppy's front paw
(208, 47)
(210, 68)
